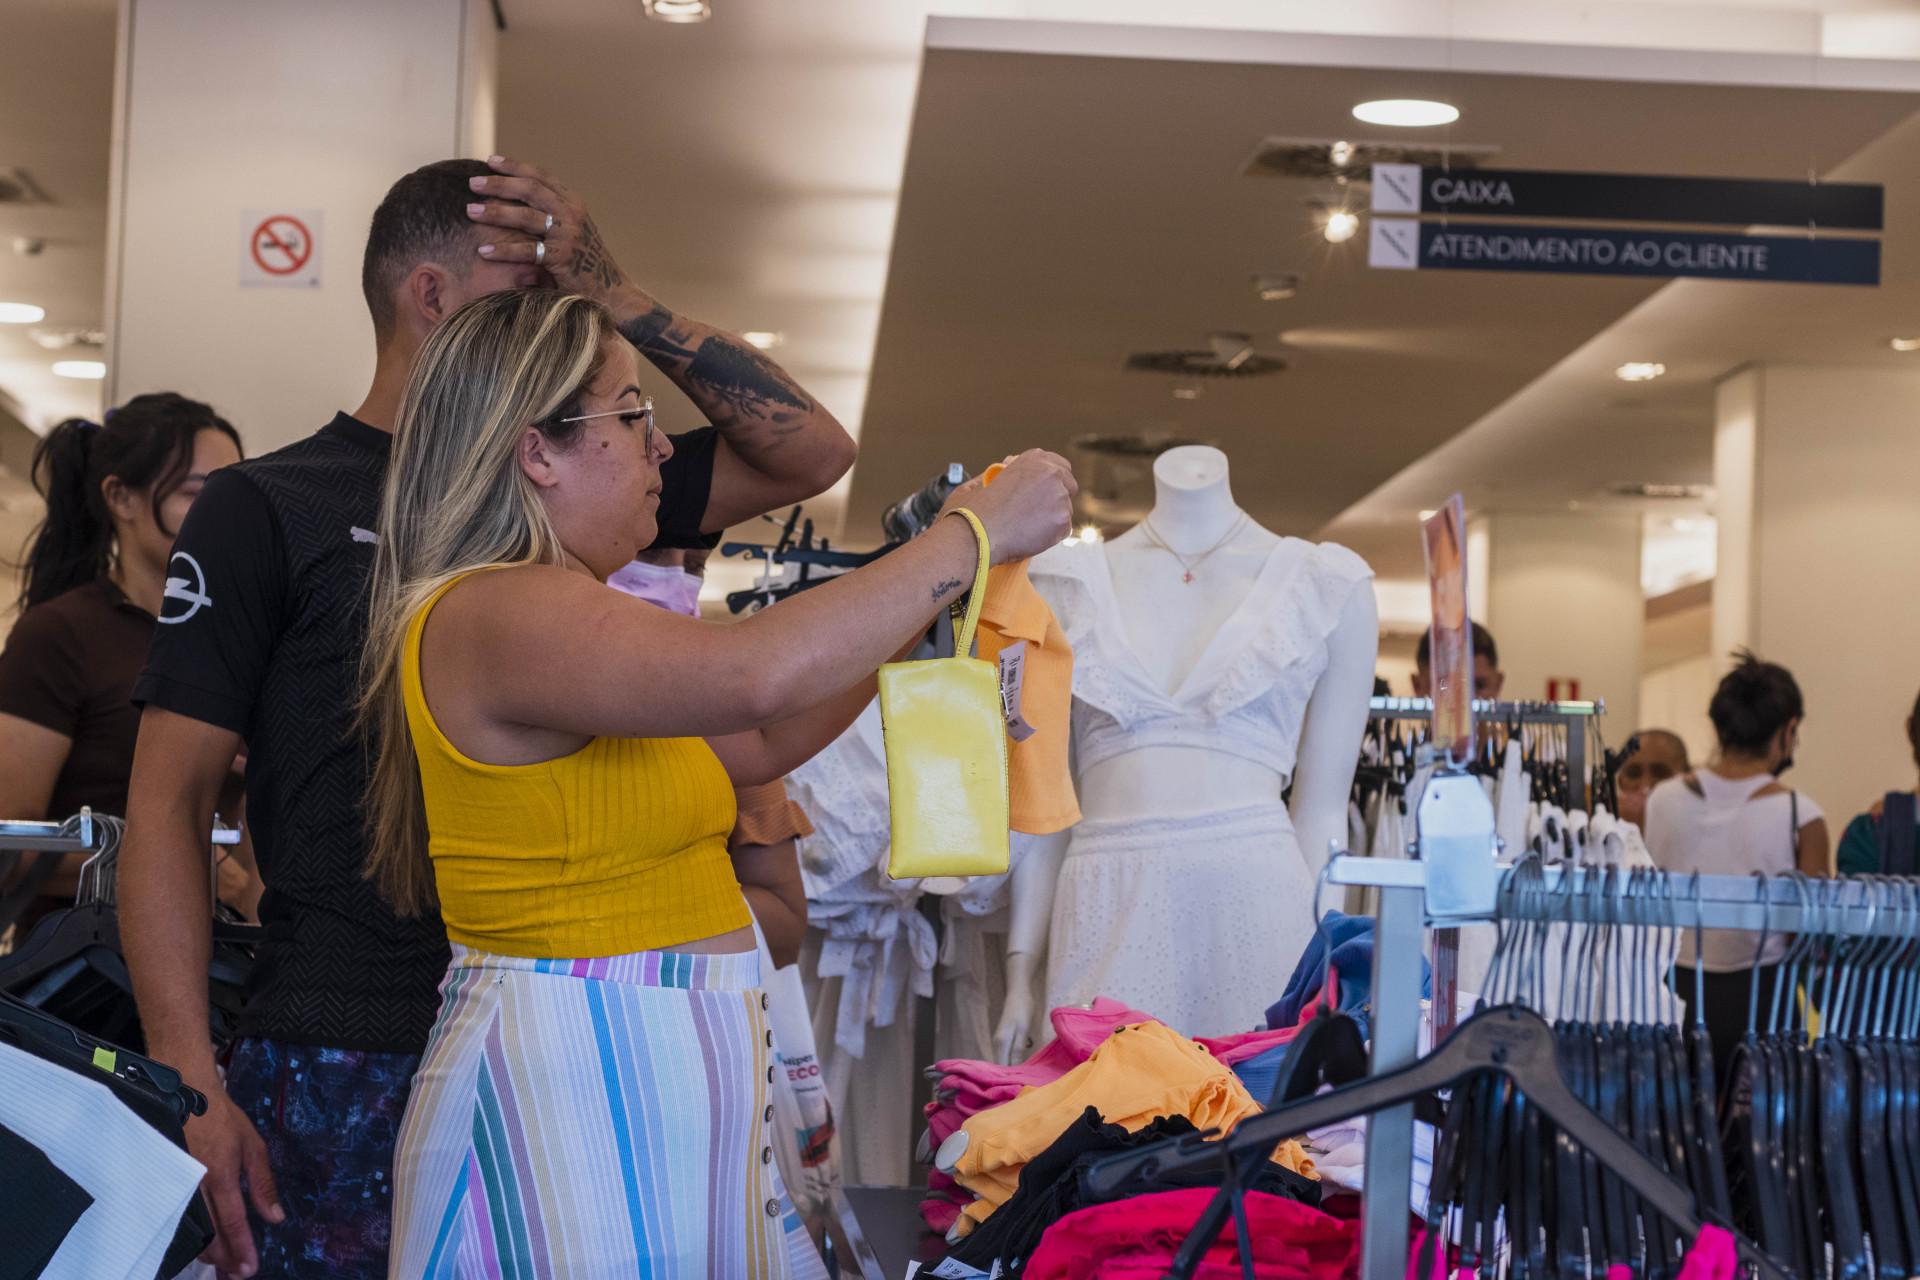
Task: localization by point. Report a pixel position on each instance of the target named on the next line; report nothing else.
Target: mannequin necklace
(1188, 566)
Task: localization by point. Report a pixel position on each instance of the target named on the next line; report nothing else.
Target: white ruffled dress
(1195, 918)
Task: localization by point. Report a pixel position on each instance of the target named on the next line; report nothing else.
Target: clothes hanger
(1508, 1041)
(48, 1038)
(1328, 1050)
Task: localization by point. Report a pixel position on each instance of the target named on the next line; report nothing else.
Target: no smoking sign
(280, 248)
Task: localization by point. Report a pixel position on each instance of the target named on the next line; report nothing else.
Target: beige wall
(1833, 542)
(228, 105)
(1674, 697)
(1563, 600)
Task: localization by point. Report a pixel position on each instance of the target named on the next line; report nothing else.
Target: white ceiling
(1061, 212)
(1577, 429)
(749, 170)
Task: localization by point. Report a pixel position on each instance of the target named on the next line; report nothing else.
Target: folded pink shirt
(966, 1086)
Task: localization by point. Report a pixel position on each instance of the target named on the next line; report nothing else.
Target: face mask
(668, 586)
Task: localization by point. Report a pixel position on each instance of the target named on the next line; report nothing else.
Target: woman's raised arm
(547, 648)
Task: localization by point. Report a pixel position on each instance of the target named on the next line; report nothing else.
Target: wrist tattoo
(945, 587)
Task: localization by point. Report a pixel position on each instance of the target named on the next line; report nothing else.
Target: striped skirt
(595, 1118)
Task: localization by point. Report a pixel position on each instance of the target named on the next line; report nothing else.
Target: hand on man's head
(564, 242)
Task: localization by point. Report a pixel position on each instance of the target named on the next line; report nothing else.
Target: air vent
(1636, 489)
(1204, 364)
(1316, 158)
(61, 339)
(18, 187)
(1116, 476)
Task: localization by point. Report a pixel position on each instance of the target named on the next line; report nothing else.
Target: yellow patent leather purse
(946, 740)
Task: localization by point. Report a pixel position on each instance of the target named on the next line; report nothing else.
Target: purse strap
(963, 638)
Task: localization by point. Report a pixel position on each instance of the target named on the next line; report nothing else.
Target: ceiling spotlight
(1429, 513)
(678, 10)
(1340, 154)
(1340, 225)
(21, 313)
(79, 369)
(765, 339)
(1088, 533)
(1186, 393)
(1639, 371)
(1898, 344)
(1272, 288)
(1408, 113)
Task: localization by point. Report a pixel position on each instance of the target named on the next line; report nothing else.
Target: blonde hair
(457, 500)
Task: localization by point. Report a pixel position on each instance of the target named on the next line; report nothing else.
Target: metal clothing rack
(1572, 716)
(1455, 882)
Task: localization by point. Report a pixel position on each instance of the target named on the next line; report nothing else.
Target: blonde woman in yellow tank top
(554, 774)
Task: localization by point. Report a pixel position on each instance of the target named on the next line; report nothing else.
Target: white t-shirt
(1726, 832)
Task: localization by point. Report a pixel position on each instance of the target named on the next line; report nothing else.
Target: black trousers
(1725, 1007)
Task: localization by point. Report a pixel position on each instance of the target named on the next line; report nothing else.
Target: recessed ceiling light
(678, 10)
(1341, 224)
(1430, 513)
(1340, 154)
(1274, 287)
(1639, 371)
(1409, 113)
(79, 369)
(21, 313)
(765, 339)
(1904, 344)
(1186, 393)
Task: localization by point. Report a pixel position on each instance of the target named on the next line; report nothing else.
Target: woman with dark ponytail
(93, 584)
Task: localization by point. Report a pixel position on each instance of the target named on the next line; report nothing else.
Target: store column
(1817, 480)
(1565, 605)
(251, 143)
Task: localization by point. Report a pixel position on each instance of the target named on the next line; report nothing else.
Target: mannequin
(1170, 620)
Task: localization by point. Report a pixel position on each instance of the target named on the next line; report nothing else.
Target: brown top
(69, 666)
(767, 816)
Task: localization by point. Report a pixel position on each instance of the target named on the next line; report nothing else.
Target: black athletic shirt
(261, 633)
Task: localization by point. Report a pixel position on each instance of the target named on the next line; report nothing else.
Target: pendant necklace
(1188, 566)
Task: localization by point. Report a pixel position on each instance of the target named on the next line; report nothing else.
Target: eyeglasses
(644, 411)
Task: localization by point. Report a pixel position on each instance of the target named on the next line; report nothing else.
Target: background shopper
(542, 777)
(344, 991)
(1861, 843)
(1660, 756)
(94, 581)
(1488, 679)
(1733, 818)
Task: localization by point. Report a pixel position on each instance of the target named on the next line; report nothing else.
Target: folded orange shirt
(765, 815)
(1141, 1071)
(1040, 795)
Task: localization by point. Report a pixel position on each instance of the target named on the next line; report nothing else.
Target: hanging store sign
(1403, 244)
(1626, 197)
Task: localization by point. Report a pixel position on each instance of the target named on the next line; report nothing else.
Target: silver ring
(549, 226)
(540, 253)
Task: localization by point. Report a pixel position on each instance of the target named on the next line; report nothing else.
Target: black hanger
(48, 1038)
(1328, 1050)
(1510, 1041)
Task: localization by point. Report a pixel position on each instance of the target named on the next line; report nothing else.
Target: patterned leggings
(330, 1118)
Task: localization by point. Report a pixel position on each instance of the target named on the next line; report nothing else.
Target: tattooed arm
(778, 445)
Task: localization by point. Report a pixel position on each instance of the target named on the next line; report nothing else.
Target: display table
(890, 1217)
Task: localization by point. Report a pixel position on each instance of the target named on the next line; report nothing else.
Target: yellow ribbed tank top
(619, 847)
